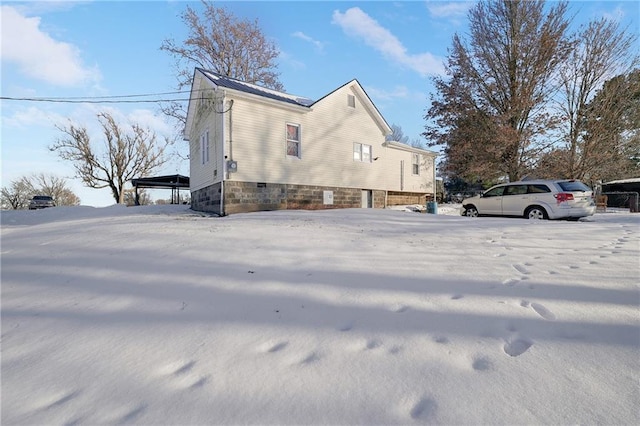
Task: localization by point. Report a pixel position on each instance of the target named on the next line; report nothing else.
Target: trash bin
(432, 207)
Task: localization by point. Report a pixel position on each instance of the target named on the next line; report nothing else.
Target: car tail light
(563, 196)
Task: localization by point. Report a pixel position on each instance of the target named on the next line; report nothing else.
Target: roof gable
(219, 80)
(366, 101)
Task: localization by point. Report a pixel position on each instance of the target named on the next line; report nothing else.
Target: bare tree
(55, 187)
(144, 198)
(397, 135)
(503, 78)
(17, 196)
(610, 146)
(125, 154)
(220, 42)
(601, 50)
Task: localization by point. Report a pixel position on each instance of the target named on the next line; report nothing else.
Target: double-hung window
(362, 152)
(293, 140)
(204, 147)
(415, 164)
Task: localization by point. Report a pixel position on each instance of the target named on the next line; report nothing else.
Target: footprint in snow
(521, 269)
(441, 339)
(510, 282)
(543, 311)
(517, 347)
(270, 347)
(424, 409)
(346, 327)
(481, 364)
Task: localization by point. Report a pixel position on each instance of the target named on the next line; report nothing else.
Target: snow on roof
(630, 180)
(232, 83)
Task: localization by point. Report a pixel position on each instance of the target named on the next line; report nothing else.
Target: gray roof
(232, 83)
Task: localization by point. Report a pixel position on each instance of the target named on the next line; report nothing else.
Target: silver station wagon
(534, 199)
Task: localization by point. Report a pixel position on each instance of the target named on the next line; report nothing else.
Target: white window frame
(415, 164)
(204, 147)
(207, 146)
(297, 141)
(362, 152)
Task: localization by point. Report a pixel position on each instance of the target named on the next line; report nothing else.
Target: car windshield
(42, 198)
(573, 186)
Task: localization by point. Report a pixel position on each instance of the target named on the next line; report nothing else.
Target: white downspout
(224, 163)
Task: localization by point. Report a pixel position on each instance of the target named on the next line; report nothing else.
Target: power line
(104, 99)
(91, 101)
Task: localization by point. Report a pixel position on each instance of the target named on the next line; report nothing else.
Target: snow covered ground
(159, 315)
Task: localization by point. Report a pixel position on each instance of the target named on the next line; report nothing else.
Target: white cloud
(40, 56)
(399, 92)
(455, 9)
(289, 59)
(32, 117)
(318, 44)
(616, 15)
(356, 23)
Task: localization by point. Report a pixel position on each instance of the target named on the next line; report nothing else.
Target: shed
(623, 193)
(173, 182)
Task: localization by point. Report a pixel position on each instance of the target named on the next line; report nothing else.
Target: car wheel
(471, 211)
(535, 213)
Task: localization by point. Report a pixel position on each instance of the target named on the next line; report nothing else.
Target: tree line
(523, 97)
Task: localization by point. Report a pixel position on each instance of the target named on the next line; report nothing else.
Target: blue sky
(107, 48)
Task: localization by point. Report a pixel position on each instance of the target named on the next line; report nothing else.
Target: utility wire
(104, 99)
(90, 101)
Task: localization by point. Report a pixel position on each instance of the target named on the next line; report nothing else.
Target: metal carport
(173, 182)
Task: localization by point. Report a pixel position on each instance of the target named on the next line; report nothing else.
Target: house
(252, 149)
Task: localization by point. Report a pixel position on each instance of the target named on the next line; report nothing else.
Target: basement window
(262, 184)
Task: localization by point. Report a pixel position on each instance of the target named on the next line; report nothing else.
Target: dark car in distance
(41, 202)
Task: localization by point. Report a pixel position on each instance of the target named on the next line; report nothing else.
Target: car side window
(516, 190)
(495, 192)
(538, 189)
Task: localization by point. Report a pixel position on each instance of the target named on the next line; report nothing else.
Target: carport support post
(137, 196)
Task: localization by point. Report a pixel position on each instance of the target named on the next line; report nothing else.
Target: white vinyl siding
(326, 133)
(205, 127)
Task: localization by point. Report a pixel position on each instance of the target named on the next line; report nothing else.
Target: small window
(207, 146)
(516, 190)
(351, 101)
(495, 192)
(538, 189)
(293, 140)
(204, 147)
(415, 164)
(357, 152)
(361, 152)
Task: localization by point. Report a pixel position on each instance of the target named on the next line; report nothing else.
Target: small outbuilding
(623, 193)
(173, 182)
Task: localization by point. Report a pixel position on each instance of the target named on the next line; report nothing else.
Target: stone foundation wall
(402, 198)
(207, 199)
(243, 197)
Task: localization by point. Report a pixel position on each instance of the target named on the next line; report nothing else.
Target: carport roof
(170, 181)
